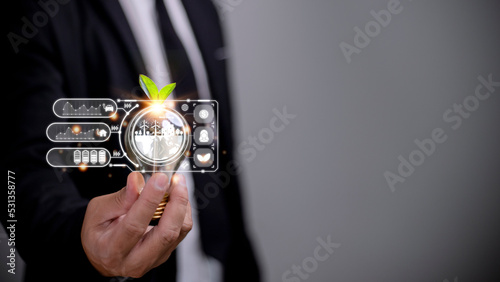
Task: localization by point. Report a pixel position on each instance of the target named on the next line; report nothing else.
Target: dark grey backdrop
(324, 173)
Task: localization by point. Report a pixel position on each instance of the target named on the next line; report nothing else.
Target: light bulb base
(161, 207)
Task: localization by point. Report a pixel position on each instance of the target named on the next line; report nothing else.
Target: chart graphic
(85, 108)
(148, 136)
(78, 132)
(77, 157)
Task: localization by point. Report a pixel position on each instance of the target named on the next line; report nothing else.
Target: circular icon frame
(167, 114)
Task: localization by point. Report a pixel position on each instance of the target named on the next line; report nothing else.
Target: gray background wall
(323, 175)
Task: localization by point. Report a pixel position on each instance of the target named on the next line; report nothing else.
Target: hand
(116, 235)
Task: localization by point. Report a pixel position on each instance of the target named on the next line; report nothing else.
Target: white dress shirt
(192, 264)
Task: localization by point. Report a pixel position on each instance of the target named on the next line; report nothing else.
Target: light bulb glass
(156, 140)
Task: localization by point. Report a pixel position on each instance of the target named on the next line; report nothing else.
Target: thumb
(120, 202)
(127, 196)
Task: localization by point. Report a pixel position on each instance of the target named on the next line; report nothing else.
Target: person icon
(203, 136)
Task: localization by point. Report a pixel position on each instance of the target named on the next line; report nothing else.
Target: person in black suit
(86, 49)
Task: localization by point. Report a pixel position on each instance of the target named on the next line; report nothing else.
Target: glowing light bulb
(156, 140)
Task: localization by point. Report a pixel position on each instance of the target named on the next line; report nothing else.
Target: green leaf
(149, 87)
(165, 91)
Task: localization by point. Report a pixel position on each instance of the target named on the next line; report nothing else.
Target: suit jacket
(86, 49)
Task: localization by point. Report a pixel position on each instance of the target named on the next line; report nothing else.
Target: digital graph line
(69, 110)
(70, 135)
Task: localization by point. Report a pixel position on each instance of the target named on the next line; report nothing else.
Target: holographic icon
(108, 108)
(77, 157)
(203, 114)
(102, 157)
(102, 133)
(85, 157)
(203, 157)
(93, 156)
(203, 136)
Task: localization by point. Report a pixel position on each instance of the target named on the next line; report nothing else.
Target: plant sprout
(151, 90)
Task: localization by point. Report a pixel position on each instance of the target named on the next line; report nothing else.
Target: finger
(135, 183)
(116, 204)
(188, 221)
(165, 237)
(179, 207)
(134, 224)
(187, 225)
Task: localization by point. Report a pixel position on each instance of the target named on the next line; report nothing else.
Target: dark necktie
(212, 213)
(179, 65)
